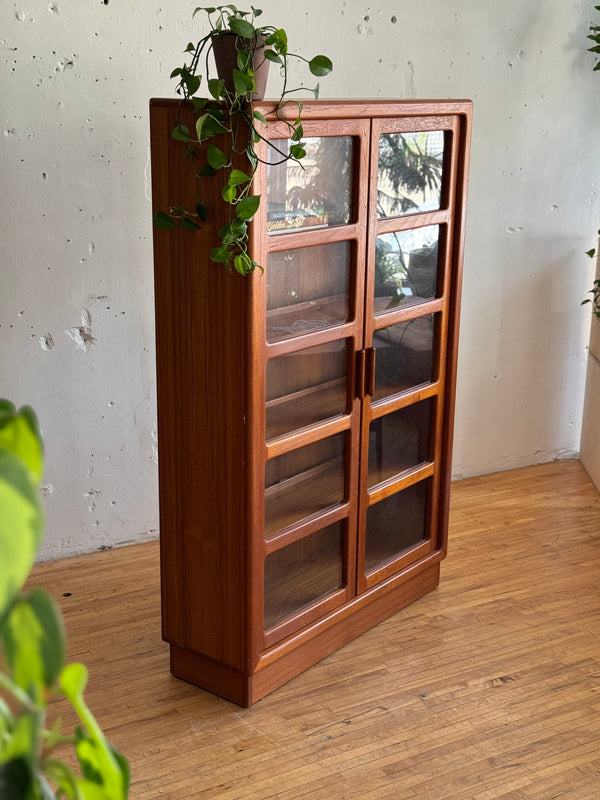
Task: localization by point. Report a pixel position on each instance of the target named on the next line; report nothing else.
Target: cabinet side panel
(201, 352)
(459, 224)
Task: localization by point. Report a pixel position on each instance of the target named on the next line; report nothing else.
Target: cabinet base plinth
(289, 658)
(218, 678)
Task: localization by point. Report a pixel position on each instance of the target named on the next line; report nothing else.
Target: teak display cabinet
(305, 414)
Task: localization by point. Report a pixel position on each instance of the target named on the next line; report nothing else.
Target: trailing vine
(228, 110)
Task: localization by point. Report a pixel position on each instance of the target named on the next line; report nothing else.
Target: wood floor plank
(486, 689)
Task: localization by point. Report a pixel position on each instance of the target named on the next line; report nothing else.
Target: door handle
(359, 382)
(370, 371)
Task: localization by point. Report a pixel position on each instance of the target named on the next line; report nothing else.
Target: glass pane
(403, 355)
(406, 267)
(307, 289)
(399, 441)
(306, 387)
(315, 193)
(410, 172)
(302, 573)
(304, 482)
(396, 523)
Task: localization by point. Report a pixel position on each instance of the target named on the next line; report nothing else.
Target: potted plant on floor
(243, 50)
(33, 648)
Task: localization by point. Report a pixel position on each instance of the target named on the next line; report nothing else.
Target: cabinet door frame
(440, 306)
(261, 351)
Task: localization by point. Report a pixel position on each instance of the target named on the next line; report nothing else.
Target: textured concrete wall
(76, 313)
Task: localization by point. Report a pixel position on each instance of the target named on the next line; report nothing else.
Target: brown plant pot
(225, 53)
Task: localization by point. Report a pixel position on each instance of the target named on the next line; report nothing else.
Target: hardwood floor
(488, 687)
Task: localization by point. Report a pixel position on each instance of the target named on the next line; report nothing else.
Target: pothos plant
(227, 111)
(33, 647)
(594, 35)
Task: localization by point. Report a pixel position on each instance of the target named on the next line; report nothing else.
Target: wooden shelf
(307, 317)
(306, 407)
(389, 473)
(303, 495)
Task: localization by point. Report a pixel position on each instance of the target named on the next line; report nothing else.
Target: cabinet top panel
(332, 109)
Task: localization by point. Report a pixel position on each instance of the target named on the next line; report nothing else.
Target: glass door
(314, 239)
(406, 322)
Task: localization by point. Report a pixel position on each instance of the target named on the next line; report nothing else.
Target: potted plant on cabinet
(243, 50)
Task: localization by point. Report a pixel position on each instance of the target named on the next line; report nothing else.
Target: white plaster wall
(76, 304)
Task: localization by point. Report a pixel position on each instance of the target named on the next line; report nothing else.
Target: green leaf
(298, 133)
(206, 171)
(34, 643)
(210, 10)
(87, 756)
(163, 220)
(220, 255)
(225, 233)
(242, 27)
(175, 73)
(243, 83)
(271, 55)
(591, 253)
(320, 66)
(238, 227)
(21, 525)
(242, 263)
(215, 87)
(181, 133)
(247, 208)
(228, 192)
(199, 103)
(201, 210)
(20, 434)
(53, 646)
(22, 742)
(207, 126)
(251, 156)
(279, 41)
(297, 151)
(190, 48)
(243, 60)
(73, 681)
(189, 224)
(216, 157)
(238, 177)
(259, 116)
(192, 83)
(316, 92)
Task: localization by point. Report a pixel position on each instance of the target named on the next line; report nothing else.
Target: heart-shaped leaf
(320, 66)
(163, 220)
(238, 177)
(216, 157)
(247, 208)
(242, 27)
